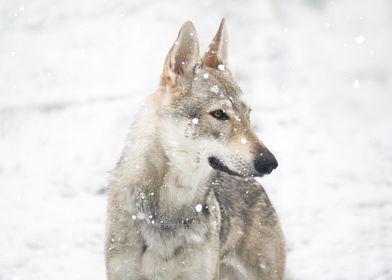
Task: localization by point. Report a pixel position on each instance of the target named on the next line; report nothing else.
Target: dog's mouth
(216, 164)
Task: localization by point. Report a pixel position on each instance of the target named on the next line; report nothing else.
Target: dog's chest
(166, 252)
(170, 252)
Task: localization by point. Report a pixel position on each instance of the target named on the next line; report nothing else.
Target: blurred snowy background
(317, 74)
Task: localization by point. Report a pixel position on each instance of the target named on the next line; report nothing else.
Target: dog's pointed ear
(217, 50)
(182, 58)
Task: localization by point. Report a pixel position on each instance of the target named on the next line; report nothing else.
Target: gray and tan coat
(183, 202)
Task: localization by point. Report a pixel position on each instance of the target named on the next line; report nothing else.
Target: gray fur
(170, 215)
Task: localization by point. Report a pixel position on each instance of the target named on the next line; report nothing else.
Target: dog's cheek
(221, 133)
(192, 131)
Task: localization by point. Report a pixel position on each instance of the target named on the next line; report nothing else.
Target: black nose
(265, 164)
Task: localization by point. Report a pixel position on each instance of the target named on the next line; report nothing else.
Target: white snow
(141, 216)
(74, 73)
(198, 208)
(360, 39)
(214, 89)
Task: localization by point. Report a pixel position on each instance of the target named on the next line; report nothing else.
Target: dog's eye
(219, 115)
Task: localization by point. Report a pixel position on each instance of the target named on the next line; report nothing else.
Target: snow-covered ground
(317, 74)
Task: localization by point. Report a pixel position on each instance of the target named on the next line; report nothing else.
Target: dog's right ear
(217, 50)
(181, 60)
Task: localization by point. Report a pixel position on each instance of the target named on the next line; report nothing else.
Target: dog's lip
(217, 164)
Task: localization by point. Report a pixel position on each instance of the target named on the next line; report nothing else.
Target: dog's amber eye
(219, 115)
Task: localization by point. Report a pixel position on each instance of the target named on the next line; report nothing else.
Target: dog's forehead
(210, 88)
(216, 84)
(219, 80)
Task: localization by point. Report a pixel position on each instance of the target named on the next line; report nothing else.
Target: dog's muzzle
(263, 165)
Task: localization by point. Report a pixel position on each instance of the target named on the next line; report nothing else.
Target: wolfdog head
(204, 121)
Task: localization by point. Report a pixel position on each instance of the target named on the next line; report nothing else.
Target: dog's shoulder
(243, 203)
(236, 193)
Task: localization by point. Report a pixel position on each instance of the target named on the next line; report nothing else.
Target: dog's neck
(160, 181)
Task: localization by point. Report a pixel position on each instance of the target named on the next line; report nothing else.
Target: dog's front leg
(122, 266)
(124, 247)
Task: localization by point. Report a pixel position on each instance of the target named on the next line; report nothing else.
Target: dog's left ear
(217, 50)
(182, 58)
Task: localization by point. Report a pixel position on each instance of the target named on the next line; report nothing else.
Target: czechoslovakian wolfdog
(183, 202)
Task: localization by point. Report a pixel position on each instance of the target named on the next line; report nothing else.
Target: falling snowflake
(198, 207)
(360, 40)
(214, 89)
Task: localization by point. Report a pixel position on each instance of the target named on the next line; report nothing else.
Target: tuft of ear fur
(182, 58)
(217, 50)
